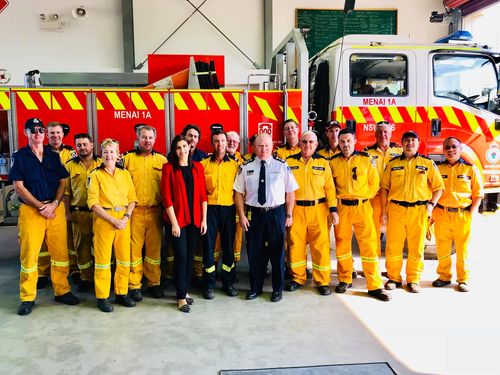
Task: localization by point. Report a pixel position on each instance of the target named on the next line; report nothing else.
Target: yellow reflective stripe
(84, 266)
(43, 254)
(29, 270)
(221, 101)
(122, 263)
(396, 116)
(369, 260)
(180, 104)
(344, 257)
(170, 259)
(136, 263)
(73, 102)
(236, 254)
(49, 100)
(376, 114)
(236, 97)
(356, 113)
(227, 268)
(138, 102)
(412, 111)
(210, 269)
(290, 114)
(59, 264)
(98, 104)
(297, 264)
(397, 257)
(115, 101)
(4, 101)
(412, 258)
(198, 259)
(472, 121)
(431, 113)
(265, 108)
(152, 261)
(444, 257)
(71, 252)
(27, 100)
(201, 104)
(100, 266)
(158, 100)
(321, 268)
(218, 253)
(452, 117)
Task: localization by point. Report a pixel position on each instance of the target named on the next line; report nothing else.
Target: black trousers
(184, 246)
(266, 227)
(220, 219)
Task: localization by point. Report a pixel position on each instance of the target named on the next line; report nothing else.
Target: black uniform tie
(262, 183)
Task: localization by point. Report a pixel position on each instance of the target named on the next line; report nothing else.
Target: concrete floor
(439, 331)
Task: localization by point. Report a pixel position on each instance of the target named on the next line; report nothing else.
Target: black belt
(352, 202)
(453, 209)
(78, 208)
(410, 204)
(310, 203)
(263, 209)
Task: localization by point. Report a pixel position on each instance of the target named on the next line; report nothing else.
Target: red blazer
(173, 192)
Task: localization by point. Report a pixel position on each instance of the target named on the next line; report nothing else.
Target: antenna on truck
(348, 8)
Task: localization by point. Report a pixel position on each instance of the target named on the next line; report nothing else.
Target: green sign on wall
(327, 25)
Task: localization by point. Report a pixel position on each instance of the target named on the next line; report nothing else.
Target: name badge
(317, 168)
(250, 172)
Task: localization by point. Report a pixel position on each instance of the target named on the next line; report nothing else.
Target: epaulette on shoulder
(232, 157)
(278, 158)
(294, 156)
(466, 162)
(372, 147)
(248, 161)
(363, 153)
(425, 157)
(68, 147)
(129, 152)
(75, 160)
(394, 158)
(96, 169)
(317, 155)
(336, 156)
(440, 162)
(394, 144)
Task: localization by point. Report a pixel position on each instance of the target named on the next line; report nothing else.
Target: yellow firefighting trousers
(44, 257)
(452, 227)
(309, 227)
(107, 239)
(360, 218)
(146, 229)
(33, 229)
(82, 239)
(377, 210)
(408, 223)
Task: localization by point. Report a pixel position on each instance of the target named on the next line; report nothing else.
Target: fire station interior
(95, 53)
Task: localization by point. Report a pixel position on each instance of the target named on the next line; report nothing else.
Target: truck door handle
(435, 127)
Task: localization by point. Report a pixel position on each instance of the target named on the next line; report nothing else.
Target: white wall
(242, 21)
(483, 26)
(92, 45)
(96, 45)
(413, 16)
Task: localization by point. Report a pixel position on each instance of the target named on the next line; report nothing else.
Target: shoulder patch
(248, 161)
(278, 158)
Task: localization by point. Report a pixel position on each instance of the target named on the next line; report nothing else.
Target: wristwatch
(288, 216)
(56, 202)
(432, 204)
(126, 215)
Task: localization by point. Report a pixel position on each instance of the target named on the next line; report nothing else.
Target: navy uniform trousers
(266, 242)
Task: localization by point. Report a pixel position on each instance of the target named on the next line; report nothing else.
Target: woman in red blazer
(185, 209)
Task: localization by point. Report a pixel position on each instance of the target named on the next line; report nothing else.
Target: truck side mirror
(435, 127)
(351, 125)
(497, 124)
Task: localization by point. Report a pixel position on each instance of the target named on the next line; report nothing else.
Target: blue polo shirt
(40, 178)
(198, 155)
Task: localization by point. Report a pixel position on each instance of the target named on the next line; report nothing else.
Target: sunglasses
(354, 174)
(450, 147)
(37, 130)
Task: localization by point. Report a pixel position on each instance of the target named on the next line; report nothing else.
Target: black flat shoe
(189, 300)
(104, 305)
(251, 295)
(124, 300)
(25, 308)
(184, 308)
(276, 296)
(342, 287)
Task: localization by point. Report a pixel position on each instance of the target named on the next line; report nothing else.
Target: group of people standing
(283, 199)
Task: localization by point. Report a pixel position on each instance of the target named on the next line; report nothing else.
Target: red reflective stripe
(386, 114)
(367, 114)
(407, 119)
(484, 128)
